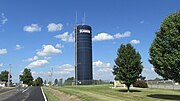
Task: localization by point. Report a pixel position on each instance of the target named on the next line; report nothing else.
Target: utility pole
(9, 75)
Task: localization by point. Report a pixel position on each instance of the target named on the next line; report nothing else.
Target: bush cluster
(141, 84)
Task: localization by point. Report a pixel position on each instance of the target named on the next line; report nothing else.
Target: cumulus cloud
(3, 18)
(65, 37)
(48, 50)
(32, 59)
(18, 47)
(63, 71)
(66, 68)
(135, 42)
(106, 36)
(3, 51)
(52, 27)
(100, 64)
(102, 36)
(59, 46)
(102, 70)
(47, 58)
(32, 28)
(125, 34)
(37, 63)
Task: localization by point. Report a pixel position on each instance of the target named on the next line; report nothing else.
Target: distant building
(83, 52)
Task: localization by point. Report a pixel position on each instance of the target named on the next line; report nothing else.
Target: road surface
(21, 94)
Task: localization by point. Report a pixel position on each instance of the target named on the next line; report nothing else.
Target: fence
(163, 84)
(85, 82)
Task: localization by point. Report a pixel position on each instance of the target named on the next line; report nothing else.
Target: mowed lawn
(105, 93)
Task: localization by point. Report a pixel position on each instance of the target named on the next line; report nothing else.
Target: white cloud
(106, 36)
(48, 50)
(102, 70)
(47, 58)
(125, 34)
(59, 46)
(135, 42)
(18, 47)
(66, 68)
(62, 70)
(4, 18)
(100, 64)
(52, 27)
(32, 59)
(102, 36)
(37, 63)
(65, 37)
(1, 65)
(3, 51)
(32, 28)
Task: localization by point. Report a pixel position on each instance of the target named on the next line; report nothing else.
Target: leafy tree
(55, 81)
(4, 76)
(141, 77)
(26, 77)
(128, 65)
(38, 82)
(69, 81)
(165, 49)
(157, 79)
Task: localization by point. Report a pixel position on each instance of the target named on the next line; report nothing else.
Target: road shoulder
(61, 96)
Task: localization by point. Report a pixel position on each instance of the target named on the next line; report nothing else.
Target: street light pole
(9, 75)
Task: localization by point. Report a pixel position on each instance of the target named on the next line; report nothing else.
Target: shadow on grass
(123, 90)
(165, 96)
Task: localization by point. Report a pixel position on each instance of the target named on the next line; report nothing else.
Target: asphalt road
(21, 94)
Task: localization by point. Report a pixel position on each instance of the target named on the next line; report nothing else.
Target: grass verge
(50, 95)
(105, 93)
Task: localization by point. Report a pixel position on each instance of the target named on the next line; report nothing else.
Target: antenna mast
(84, 18)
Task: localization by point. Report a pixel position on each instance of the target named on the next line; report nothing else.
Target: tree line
(27, 78)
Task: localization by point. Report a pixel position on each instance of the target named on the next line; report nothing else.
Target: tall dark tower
(83, 54)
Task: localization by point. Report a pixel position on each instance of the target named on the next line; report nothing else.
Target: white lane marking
(25, 90)
(43, 94)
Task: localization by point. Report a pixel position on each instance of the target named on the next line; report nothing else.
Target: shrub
(141, 84)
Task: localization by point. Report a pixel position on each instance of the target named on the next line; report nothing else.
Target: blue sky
(38, 34)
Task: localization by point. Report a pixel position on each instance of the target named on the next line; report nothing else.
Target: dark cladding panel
(84, 53)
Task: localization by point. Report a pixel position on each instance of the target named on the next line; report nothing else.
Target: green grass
(105, 93)
(49, 94)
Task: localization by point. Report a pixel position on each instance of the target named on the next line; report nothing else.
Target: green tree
(26, 77)
(141, 77)
(38, 82)
(4, 76)
(69, 81)
(157, 79)
(55, 81)
(165, 49)
(128, 65)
